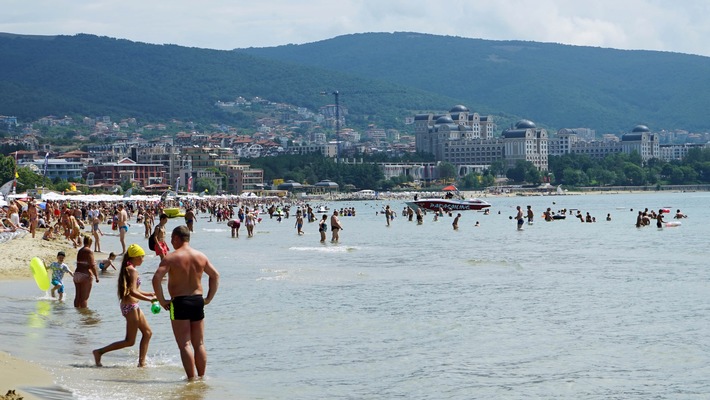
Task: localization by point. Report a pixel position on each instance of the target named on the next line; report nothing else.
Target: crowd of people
(82, 225)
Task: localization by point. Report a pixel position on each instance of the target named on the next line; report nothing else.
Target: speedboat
(449, 204)
(322, 210)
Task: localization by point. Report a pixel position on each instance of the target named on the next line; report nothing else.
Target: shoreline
(18, 374)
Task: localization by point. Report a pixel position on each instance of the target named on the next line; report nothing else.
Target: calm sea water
(560, 310)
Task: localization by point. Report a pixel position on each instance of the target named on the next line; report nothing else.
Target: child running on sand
(130, 294)
(58, 270)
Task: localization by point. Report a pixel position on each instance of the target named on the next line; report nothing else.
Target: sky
(678, 26)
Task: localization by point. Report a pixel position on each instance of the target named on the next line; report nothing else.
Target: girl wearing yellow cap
(130, 294)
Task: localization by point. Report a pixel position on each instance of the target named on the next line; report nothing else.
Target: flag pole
(14, 183)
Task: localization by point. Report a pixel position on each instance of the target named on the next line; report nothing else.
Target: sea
(559, 310)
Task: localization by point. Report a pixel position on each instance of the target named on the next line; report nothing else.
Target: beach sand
(16, 255)
(17, 374)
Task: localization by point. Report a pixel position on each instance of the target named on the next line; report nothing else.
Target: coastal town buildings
(670, 152)
(125, 170)
(170, 155)
(56, 168)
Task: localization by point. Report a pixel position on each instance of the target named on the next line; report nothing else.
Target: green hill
(382, 77)
(552, 84)
(90, 75)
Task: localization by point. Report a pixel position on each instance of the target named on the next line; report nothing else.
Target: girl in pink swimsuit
(130, 294)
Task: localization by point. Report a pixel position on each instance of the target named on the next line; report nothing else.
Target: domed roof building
(327, 185)
(465, 139)
(642, 141)
(459, 108)
(434, 131)
(526, 142)
(444, 119)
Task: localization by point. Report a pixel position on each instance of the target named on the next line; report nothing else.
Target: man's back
(186, 266)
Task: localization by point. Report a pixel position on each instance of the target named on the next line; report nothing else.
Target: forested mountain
(90, 75)
(554, 85)
(383, 78)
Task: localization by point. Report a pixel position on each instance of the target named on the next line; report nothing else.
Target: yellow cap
(135, 251)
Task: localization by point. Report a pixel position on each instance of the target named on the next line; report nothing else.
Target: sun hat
(135, 251)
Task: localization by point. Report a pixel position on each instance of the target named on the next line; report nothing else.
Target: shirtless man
(161, 248)
(184, 268)
(122, 226)
(335, 226)
(190, 219)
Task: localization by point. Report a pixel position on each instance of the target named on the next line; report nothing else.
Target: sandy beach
(17, 254)
(17, 374)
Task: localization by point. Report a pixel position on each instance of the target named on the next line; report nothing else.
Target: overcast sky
(679, 26)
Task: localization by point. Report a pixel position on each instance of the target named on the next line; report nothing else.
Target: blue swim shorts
(57, 282)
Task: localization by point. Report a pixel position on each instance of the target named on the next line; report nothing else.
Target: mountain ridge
(574, 85)
(555, 85)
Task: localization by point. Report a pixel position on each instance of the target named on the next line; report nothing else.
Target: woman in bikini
(85, 268)
(130, 294)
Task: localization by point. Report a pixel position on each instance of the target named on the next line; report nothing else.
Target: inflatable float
(39, 272)
(672, 224)
(173, 212)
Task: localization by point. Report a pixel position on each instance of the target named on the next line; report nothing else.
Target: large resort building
(639, 140)
(465, 139)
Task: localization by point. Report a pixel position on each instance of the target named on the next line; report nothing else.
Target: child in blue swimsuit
(58, 270)
(105, 264)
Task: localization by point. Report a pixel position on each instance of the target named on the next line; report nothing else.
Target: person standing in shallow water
(85, 268)
(323, 228)
(129, 293)
(190, 219)
(519, 218)
(455, 224)
(184, 268)
(531, 215)
(335, 227)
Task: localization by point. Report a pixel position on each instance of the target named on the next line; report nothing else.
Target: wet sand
(17, 253)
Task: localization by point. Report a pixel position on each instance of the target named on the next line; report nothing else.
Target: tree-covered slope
(90, 75)
(552, 84)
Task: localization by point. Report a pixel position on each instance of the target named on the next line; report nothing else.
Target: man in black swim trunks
(184, 268)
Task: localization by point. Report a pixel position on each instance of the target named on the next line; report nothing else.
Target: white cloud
(226, 24)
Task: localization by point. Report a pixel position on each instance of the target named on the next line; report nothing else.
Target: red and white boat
(449, 204)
